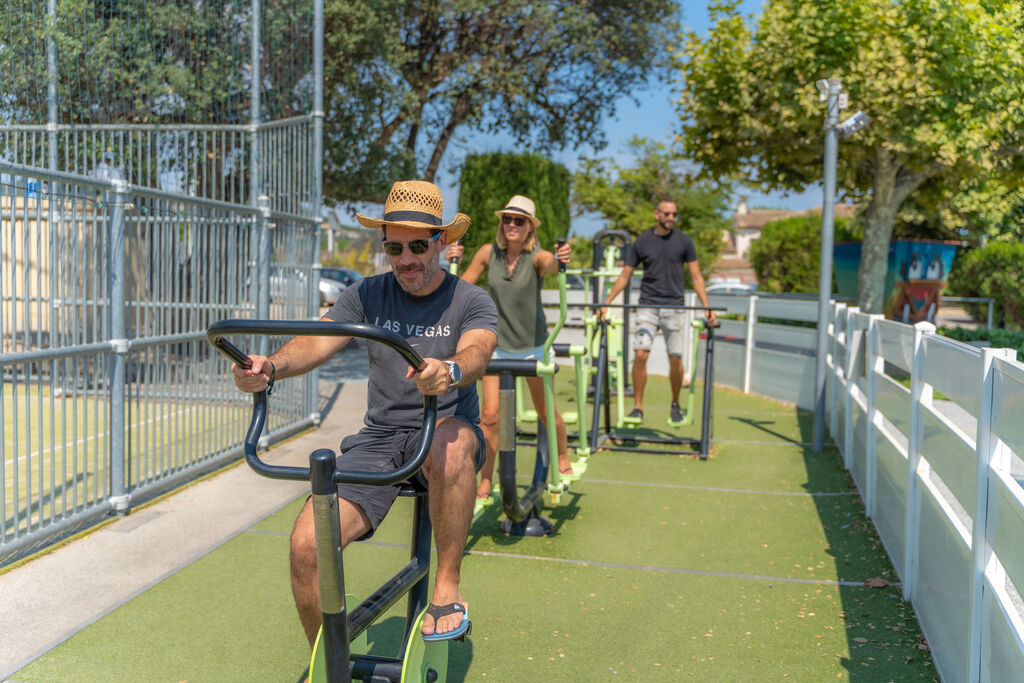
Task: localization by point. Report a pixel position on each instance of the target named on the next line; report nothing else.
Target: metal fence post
(748, 346)
(920, 393)
(263, 226)
(873, 366)
(318, 145)
(120, 498)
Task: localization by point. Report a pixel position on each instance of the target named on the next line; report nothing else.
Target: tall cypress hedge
(489, 180)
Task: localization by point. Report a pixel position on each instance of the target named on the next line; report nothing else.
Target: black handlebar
(215, 335)
(558, 245)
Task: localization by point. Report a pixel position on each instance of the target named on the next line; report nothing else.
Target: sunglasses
(517, 220)
(415, 246)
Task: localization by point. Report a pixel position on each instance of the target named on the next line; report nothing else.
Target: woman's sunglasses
(517, 220)
(415, 246)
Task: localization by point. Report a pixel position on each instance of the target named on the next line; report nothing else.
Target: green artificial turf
(748, 566)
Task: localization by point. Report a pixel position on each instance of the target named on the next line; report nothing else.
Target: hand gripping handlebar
(216, 336)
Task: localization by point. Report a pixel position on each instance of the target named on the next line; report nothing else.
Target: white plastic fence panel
(891, 498)
(788, 309)
(728, 364)
(942, 598)
(953, 368)
(1003, 655)
(859, 468)
(893, 400)
(789, 336)
(1006, 526)
(896, 343)
(1008, 404)
(730, 328)
(785, 376)
(952, 459)
(733, 304)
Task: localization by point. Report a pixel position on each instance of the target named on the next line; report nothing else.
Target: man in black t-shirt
(665, 254)
(453, 327)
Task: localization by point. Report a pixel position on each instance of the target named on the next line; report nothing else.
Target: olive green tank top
(521, 322)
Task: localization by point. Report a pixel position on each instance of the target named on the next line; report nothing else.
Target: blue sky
(654, 117)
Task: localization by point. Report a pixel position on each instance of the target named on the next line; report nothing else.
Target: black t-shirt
(432, 325)
(664, 259)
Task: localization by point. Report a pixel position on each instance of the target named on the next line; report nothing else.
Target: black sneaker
(677, 413)
(636, 414)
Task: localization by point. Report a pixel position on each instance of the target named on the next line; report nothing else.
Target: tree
(489, 180)
(785, 256)
(943, 83)
(401, 78)
(626, 197)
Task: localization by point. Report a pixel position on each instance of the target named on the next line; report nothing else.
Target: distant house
(732, 265)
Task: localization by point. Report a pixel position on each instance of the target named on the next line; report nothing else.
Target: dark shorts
(378, 449)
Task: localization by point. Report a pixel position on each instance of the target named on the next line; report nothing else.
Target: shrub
(489, 180)
(785, 256)
(995, 271)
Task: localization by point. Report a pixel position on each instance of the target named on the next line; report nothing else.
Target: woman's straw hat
(521, 205)
(416, 204)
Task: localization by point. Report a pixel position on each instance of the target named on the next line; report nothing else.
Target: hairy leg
(450, 472)
(536, 385)
(675, 375)
(639, 376)
(489, 426)
(305, 585)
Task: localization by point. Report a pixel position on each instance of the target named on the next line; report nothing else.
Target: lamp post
(831, 91)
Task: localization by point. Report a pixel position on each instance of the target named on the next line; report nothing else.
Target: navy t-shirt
(663, 259)
(432, 325)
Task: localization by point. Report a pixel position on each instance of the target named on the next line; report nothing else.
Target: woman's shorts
(380, 449)
(647, 323)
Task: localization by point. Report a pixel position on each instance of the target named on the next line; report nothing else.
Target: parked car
(284, 285)
(345, 276)
(731, 288)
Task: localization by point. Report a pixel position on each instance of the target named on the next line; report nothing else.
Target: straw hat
(522, 205)
(416, 204)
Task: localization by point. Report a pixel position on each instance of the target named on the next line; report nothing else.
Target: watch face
(454, 372)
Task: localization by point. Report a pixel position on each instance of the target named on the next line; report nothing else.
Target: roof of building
(755, 219)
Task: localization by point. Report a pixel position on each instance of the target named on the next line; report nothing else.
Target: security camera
(822, 86)
(853, 124)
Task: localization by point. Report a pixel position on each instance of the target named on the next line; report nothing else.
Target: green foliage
(994, 271)
(138, 61)
(786, 255)
(626, 197)
(998, 339)
(488, 181)
(403, 78)
(943, 83)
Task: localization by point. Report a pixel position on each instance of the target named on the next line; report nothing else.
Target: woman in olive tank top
(516, 268)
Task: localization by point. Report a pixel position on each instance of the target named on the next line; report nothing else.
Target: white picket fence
(938, 463)
(939, 467)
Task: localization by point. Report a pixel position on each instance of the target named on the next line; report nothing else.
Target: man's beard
(428, 271)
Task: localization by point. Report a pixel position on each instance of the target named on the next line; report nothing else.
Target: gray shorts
(379, 449)
(648, 321)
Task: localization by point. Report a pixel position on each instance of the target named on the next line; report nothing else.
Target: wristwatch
(454, 373)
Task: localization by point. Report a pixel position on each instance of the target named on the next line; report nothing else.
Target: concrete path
(48, 599)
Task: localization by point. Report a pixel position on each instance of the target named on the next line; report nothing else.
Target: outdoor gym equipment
(614, 438)
(339, 652)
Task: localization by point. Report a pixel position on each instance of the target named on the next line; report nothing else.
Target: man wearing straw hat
(452, 325)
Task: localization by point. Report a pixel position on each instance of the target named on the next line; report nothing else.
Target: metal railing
(109, 392)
